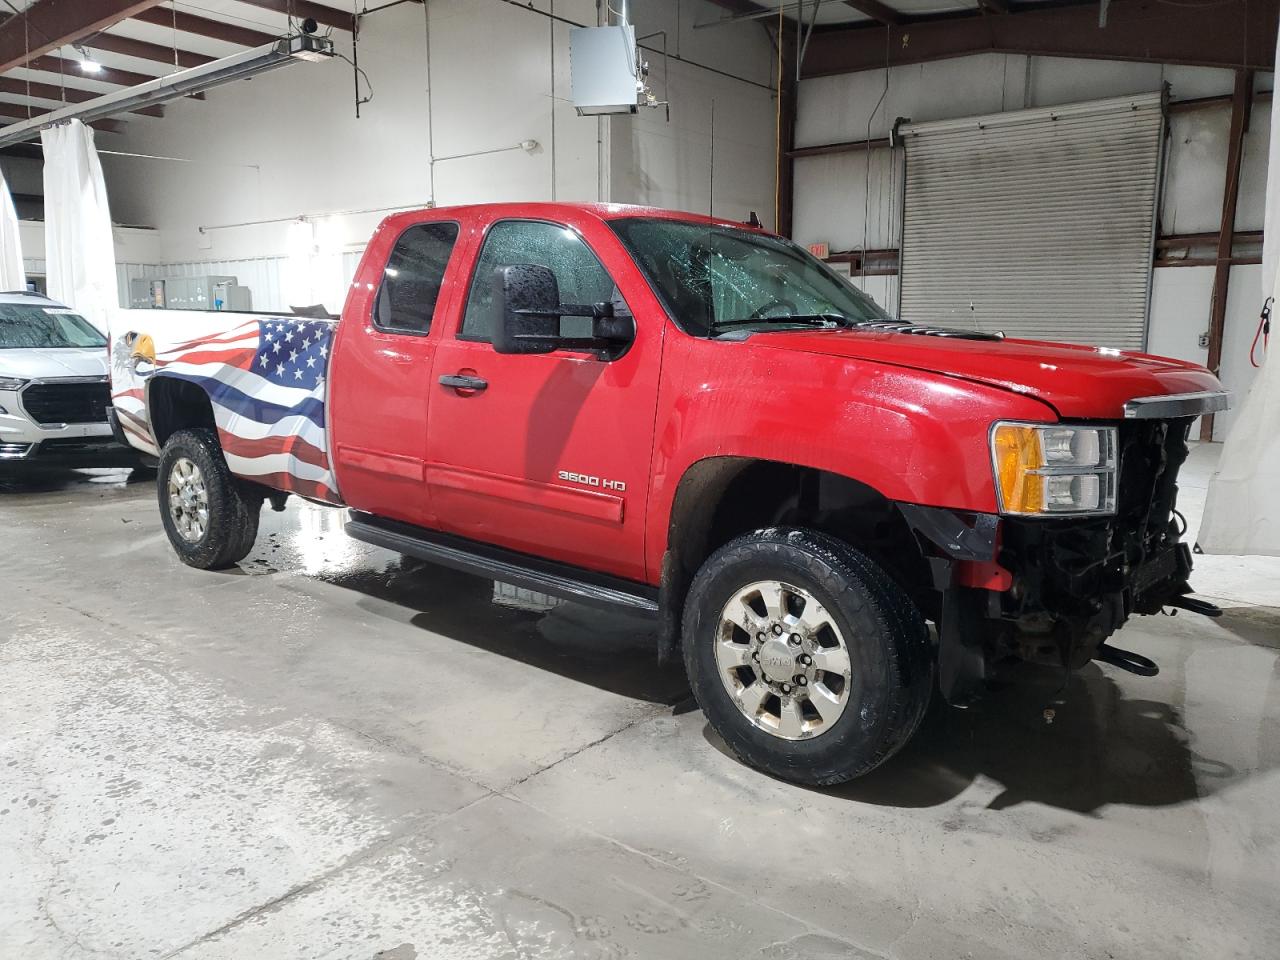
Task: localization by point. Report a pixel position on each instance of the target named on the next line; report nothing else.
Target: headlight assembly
(1051, 470)
(12, 384)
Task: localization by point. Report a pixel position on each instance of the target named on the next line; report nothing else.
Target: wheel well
(174, 405)
(724, 497)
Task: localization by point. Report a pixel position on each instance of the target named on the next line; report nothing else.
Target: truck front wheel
(806, 658)
(211, 520)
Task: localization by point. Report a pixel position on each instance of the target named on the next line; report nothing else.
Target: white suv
(54, 394)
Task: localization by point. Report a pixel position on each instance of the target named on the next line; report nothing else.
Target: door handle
(461, 381)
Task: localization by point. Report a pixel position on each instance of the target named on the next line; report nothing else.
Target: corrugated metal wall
(1036, 223)
(262, 275)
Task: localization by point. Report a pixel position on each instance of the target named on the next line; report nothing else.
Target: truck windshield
(716, 279)
(24, 325)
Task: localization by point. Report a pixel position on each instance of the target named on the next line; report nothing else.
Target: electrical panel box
(604, 70)
(146, 294)
(231, 296)
(189, 293)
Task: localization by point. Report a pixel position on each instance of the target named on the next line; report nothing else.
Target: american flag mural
(266, 381)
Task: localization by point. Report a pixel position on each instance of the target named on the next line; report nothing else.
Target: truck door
(380, 378)
(550, 453)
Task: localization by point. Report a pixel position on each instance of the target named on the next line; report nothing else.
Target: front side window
(27, 325)
(714, 279)
(581, 278)
(413, 277)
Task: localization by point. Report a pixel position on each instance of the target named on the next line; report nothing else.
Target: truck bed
(265, 377)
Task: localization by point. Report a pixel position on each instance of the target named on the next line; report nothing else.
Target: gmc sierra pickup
(669, 413)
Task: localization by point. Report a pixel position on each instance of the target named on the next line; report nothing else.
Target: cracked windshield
(717, 280)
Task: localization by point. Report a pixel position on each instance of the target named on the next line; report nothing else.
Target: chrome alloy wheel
(783, 660)
(188, 500)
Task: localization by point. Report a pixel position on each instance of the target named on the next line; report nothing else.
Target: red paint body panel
(543, 414)
(907, 415)
(1087, 383)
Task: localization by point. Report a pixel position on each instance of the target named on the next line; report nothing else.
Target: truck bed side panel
(265, 378)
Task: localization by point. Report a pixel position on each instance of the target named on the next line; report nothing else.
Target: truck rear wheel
(211, 520)
(806, 658)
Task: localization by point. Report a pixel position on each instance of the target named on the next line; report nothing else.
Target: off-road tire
(233, 511)
(888, 642)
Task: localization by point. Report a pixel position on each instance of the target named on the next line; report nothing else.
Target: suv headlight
(1050, 470)
(12, 384)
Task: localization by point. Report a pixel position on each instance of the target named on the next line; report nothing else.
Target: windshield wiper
(823, 321)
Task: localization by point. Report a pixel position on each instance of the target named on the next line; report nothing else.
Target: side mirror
(527, 312)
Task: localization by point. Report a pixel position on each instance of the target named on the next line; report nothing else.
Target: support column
(1241, 100)
(787, 97)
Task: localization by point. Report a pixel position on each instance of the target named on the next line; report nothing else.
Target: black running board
(520, 569)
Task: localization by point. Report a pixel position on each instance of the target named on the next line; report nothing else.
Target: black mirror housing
(526, 303)
(527, 312)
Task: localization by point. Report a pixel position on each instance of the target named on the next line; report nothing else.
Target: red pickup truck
(668, 413)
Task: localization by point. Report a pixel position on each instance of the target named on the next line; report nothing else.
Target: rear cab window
(411, 283)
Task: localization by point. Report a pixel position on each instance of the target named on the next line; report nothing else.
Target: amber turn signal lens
(1019, 457)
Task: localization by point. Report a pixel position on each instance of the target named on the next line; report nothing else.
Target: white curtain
(12, 274)
(1242, 512)
(79, 247)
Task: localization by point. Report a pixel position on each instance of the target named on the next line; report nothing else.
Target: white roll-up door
(1037, 223)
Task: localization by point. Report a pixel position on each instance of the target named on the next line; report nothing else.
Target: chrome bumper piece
(1173, 405)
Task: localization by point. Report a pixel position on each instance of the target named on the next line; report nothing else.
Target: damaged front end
(1053, 590)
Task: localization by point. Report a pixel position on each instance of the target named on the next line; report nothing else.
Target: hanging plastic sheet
(12, 274)
(79, 246)
(1242, 512)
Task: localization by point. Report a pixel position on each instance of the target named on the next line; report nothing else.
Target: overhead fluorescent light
(240, 66)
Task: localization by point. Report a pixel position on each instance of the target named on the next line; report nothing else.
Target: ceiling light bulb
(87, 65)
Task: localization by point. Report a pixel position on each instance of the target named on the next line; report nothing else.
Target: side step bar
(533, 573)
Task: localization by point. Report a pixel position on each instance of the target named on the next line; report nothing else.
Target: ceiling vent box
(604, 71)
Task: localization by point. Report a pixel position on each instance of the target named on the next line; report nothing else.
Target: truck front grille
(52, 403)
(1080, 579)
(1151, 454)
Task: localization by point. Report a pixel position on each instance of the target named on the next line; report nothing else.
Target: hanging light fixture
(87, 63)
(238, 66)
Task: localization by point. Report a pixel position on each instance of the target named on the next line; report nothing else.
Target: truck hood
(1076, 381)
(31, 363)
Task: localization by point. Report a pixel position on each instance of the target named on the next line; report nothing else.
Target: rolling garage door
(1037, 223)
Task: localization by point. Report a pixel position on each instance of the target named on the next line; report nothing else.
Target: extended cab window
(581, 277)
(414, 273)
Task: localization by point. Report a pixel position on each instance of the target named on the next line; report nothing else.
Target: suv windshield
(26, 325)
(714, 279)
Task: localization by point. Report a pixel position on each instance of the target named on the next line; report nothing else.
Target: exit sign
(820, 250)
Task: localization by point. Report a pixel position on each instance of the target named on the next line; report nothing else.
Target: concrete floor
(335, 752)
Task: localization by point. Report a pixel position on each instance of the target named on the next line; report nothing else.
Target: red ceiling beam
(203, 27)
(1235, 34)
(49, 24)
(877, 11)
(741, 8)
(302, 9)
(61, 94)
(128, 47)
(20, 112)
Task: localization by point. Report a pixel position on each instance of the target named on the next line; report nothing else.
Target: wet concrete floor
(335, 752)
